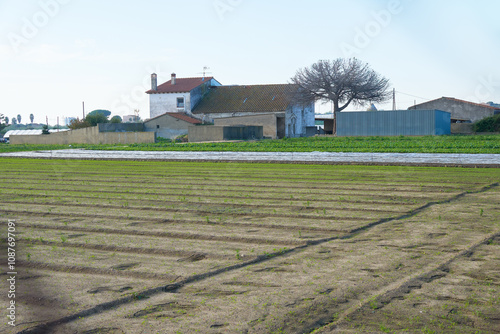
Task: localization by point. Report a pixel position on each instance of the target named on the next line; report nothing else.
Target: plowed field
(172, 247)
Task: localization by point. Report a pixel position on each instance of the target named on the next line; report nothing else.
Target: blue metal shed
(394, 123)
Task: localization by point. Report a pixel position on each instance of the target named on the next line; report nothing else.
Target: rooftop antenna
(205, 68)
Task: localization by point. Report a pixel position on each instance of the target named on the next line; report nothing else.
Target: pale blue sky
(103, 52)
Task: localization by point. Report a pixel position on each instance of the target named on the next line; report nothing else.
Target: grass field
(428, 144)
(156, 247)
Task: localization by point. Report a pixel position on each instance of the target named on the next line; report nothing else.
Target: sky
(56, 54)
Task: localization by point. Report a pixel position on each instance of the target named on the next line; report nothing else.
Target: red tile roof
(476, 104)
(255, 98)
(179, 115)
(182, 85)
(184, 117)
(458, 100)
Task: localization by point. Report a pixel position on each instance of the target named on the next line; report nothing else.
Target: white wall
(167, 102)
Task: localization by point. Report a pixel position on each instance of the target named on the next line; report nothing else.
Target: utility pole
(83, 104)
(394, 99)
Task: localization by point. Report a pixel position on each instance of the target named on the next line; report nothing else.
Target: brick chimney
(154, 82)
(173, 79)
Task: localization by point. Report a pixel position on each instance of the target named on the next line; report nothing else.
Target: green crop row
(486, 144)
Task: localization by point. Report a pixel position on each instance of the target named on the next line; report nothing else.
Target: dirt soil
(363, 250)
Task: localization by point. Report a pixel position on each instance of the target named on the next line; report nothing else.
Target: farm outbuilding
(171, 125)
(271, 106)
(394, 123)
(461, 111)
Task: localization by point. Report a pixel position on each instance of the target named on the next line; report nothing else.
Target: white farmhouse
(273, 107)
(178, 94)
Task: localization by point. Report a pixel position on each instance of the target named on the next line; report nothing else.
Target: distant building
(177, 94)
(461, 111)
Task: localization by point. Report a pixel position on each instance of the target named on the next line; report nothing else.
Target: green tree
(19, 118)
(14, 121)
(106, 113)
(3, 125)
(94, 119)
(45, 130)
(116, 119)
(32, 117)
(6, 120)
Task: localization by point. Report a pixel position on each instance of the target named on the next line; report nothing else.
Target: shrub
(489, 124)
(77, 124)
(182, 139)
(163, 140)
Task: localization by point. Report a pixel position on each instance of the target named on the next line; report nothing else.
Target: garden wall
(85, 136)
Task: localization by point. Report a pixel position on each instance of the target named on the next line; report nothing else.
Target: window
(180, 102)
(157, 126)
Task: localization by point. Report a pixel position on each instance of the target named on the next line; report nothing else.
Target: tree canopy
(342, 81)
(2, 123)
(116, 119)
(78, 124)
(94, 119)
(106, 113)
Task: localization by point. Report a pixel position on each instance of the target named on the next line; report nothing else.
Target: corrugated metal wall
(393, 123)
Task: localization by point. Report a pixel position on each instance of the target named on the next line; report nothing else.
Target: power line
(423, 98)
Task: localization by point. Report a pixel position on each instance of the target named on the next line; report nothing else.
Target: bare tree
(342, 81)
